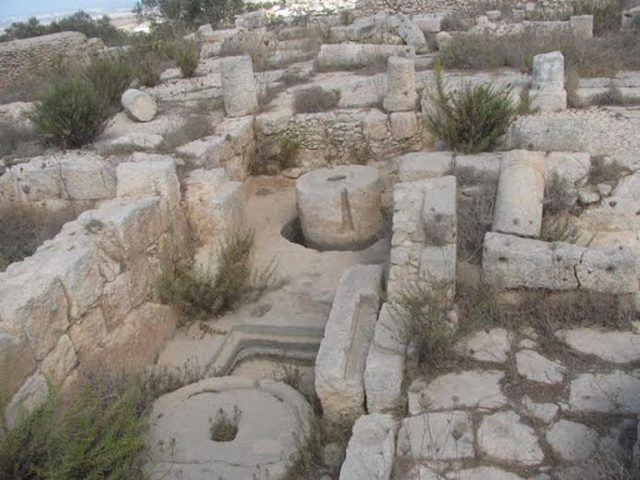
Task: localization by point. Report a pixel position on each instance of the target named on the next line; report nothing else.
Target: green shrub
(110, 76)
(186, 55)
(213, 293)
(72, 112)
(96, 433)
(472, 119)
(180, 14)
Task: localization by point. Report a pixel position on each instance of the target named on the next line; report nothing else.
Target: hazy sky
(25, 8)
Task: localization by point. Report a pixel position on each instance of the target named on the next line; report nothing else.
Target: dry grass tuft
(315, 99)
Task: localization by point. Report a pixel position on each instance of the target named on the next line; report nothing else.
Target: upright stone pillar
(547, 93)
(520, 195)
(239, 86)
(400, 95)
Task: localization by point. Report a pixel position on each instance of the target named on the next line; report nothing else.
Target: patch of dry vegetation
(315, 99)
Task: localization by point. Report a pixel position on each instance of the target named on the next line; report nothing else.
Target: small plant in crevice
(472, 119)
(198, 294)
(315, 99)
(289, 148)
(224, 428)
(186, 54)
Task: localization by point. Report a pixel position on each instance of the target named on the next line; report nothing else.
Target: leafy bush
(315, 99)
(72, 112)
(472, 119)
(98, 432)
(78, 22)
(23, 228)
(186, 55)
(110, 76)
(191, 14)
(212, 293)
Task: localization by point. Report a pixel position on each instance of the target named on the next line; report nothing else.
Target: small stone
(533, 366)
(588, 197)
(139, 105)
(503, 437)
(572, 441)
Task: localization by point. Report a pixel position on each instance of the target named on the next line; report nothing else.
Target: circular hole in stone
(292, 231)
(336, 178)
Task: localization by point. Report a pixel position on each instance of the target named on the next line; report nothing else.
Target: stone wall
(34, 58)
(85, 299)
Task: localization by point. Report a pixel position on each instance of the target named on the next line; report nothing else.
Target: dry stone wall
(85, 298)
(36, 57)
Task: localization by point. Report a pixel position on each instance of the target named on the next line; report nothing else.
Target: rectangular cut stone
(511, 262)
(437, 436)
(348, 56)
(155, 176)
(370, 453)
(420, 165)
(562, 134)
(341, 359)
(609, 270)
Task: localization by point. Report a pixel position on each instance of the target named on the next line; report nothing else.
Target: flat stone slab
(502, 436)
(615, 392)
(615, 347)
(533, 366)
(469, 389)
(486, 345)
(572, 441)
(483, 473)
(272, 417)
(437, 436)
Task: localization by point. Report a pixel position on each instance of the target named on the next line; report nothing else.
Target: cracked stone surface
(487, 345)
(615, 347)
(533, 366)
(504, 437)
(572, 441)
(606, 393)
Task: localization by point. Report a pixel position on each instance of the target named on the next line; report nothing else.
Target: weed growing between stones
(225, 428)
(475, 215)
(23, 228)
(315, 99)
(472, 119)
(19, 142)
(198, 295)
(186, 55)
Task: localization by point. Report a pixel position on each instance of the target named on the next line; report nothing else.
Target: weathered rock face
(139, 105)
(520, 195)
(85, 298)
(371, 449)
(38, 56)
(271, 419)
(401, 85)
(340, 207)
(239, 86)
(340, 363)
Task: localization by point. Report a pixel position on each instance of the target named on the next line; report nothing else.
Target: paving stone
(469, 389)
(487, 345)
(612, 346)
(545, 412)
(483, 473)
(503, 437)
(572, 441)
(606, 393)
(533, 366)
(437, 436)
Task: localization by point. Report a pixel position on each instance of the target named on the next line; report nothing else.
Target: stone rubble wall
(85, 299)
(35, 58)
(437, 6)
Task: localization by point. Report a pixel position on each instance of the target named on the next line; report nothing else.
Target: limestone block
(512, 262)
(371, 449)
(610, 346)
(215, 205)
(568, 134)
(548, 71)
(32, 394)
(533, 366)
(572, 168)
(609, 270)
(572, 441)
(548, 100)
(252, 20)
(484, 473)
(486, 345)
(400, 92)
(428, 22)
(443, 40)
(420, 165)
(155, 176)
(88, 336)
(140, 141)
(341, 359)
(340, 207)
(483, 166)
(87, 176)
(273, 418)
(504, 437)
(439, 216)
(239, 86)
(581, 26)
(383, 379)
(274, 121)
(139, 105)
(630, 17)
(403, 125)
(437, 436)
(615, 392)
(520, 194)
(348, 56)
(409, 32)
(16, 363)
